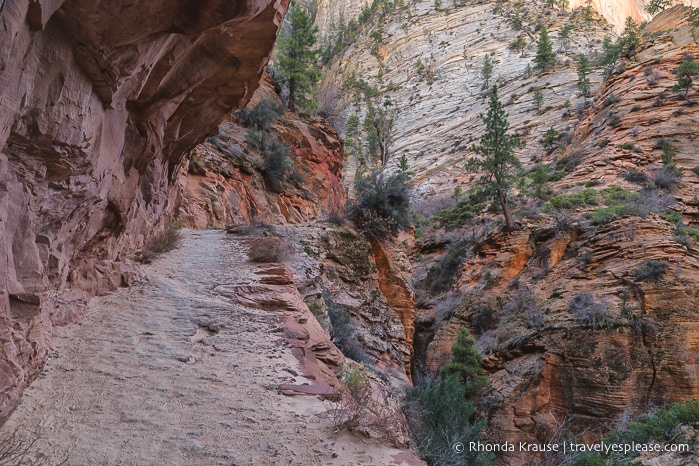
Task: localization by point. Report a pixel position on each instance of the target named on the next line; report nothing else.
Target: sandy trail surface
(169, 372)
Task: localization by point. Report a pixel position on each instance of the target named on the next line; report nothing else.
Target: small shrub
(268, 250)
(665, 178)
(569, 160)
(383, 204)
(635, 108)
(586, 197)
(613, 119)
(651, 271)
(484, 319)
(588, 311)
(627, 146)
(611, 100)
(442, 275)
(18, 447)
(604, 215)
(439, 417)
(277, 165)
(616, 195)
(363, 408)
(169, 239)
(196, 166)
(586, 257)
(634, 176)
(262, 114)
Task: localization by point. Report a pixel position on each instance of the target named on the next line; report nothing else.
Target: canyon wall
(98, 105)
(224, 183)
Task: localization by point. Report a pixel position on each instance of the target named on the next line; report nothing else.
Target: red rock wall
(98, 104)
(232, 190)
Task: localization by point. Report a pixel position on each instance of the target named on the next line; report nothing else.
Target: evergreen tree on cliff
(545, 56)
(297, 59)
(498, 162)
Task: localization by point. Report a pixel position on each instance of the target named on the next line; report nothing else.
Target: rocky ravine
(543, 372)
(97, 108)
(186, 369)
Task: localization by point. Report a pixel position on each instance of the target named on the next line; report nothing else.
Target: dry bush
(251, 229)
(269, 249)
(18, 447)
(366, 408)
(161, 243)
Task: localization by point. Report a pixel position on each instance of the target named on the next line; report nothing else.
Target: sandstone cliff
(518, 293)
(97, 108)
(225, 184)
(574, 321)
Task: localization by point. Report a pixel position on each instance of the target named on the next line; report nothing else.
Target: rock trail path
(170, 372)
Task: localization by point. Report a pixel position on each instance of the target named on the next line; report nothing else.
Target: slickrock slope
(575, 328)
(185, 367)
(230, 187)
(436, 107)
(97, 108)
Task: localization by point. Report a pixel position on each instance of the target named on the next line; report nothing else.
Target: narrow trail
(170, 372)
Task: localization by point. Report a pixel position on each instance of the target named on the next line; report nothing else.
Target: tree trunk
(509, 224)
(292, 94)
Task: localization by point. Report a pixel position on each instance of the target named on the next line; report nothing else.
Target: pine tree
(587, 13)
(519, 45)
(629, 37)
(297, 59)
(545, 56)
(584, 69)
(486, 70)
(685, 76)
(498, 163)
(654, 6)
(564, 38)
(466, 363)
(538, 98)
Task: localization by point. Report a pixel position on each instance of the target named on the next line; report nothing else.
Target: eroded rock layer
(226, 185)
(98, 104)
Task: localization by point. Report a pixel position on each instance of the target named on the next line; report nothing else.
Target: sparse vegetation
(634, 176)
(442, 275)
(440, 414)
(268, 249)
(584, 68)
(439, 417)
(589, 311)
(169, 239)
(662, 425)
(486, 71)
(655, 6)
(538, 98)
(651, 271)
(383, 203)
(361, 407)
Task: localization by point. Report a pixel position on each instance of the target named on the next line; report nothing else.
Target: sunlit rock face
(98, 104)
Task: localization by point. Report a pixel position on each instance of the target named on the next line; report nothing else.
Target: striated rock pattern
(98, 104)
(437, 105)
(633, 341)
(276, 291)
(370, 284)
(230, 188)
